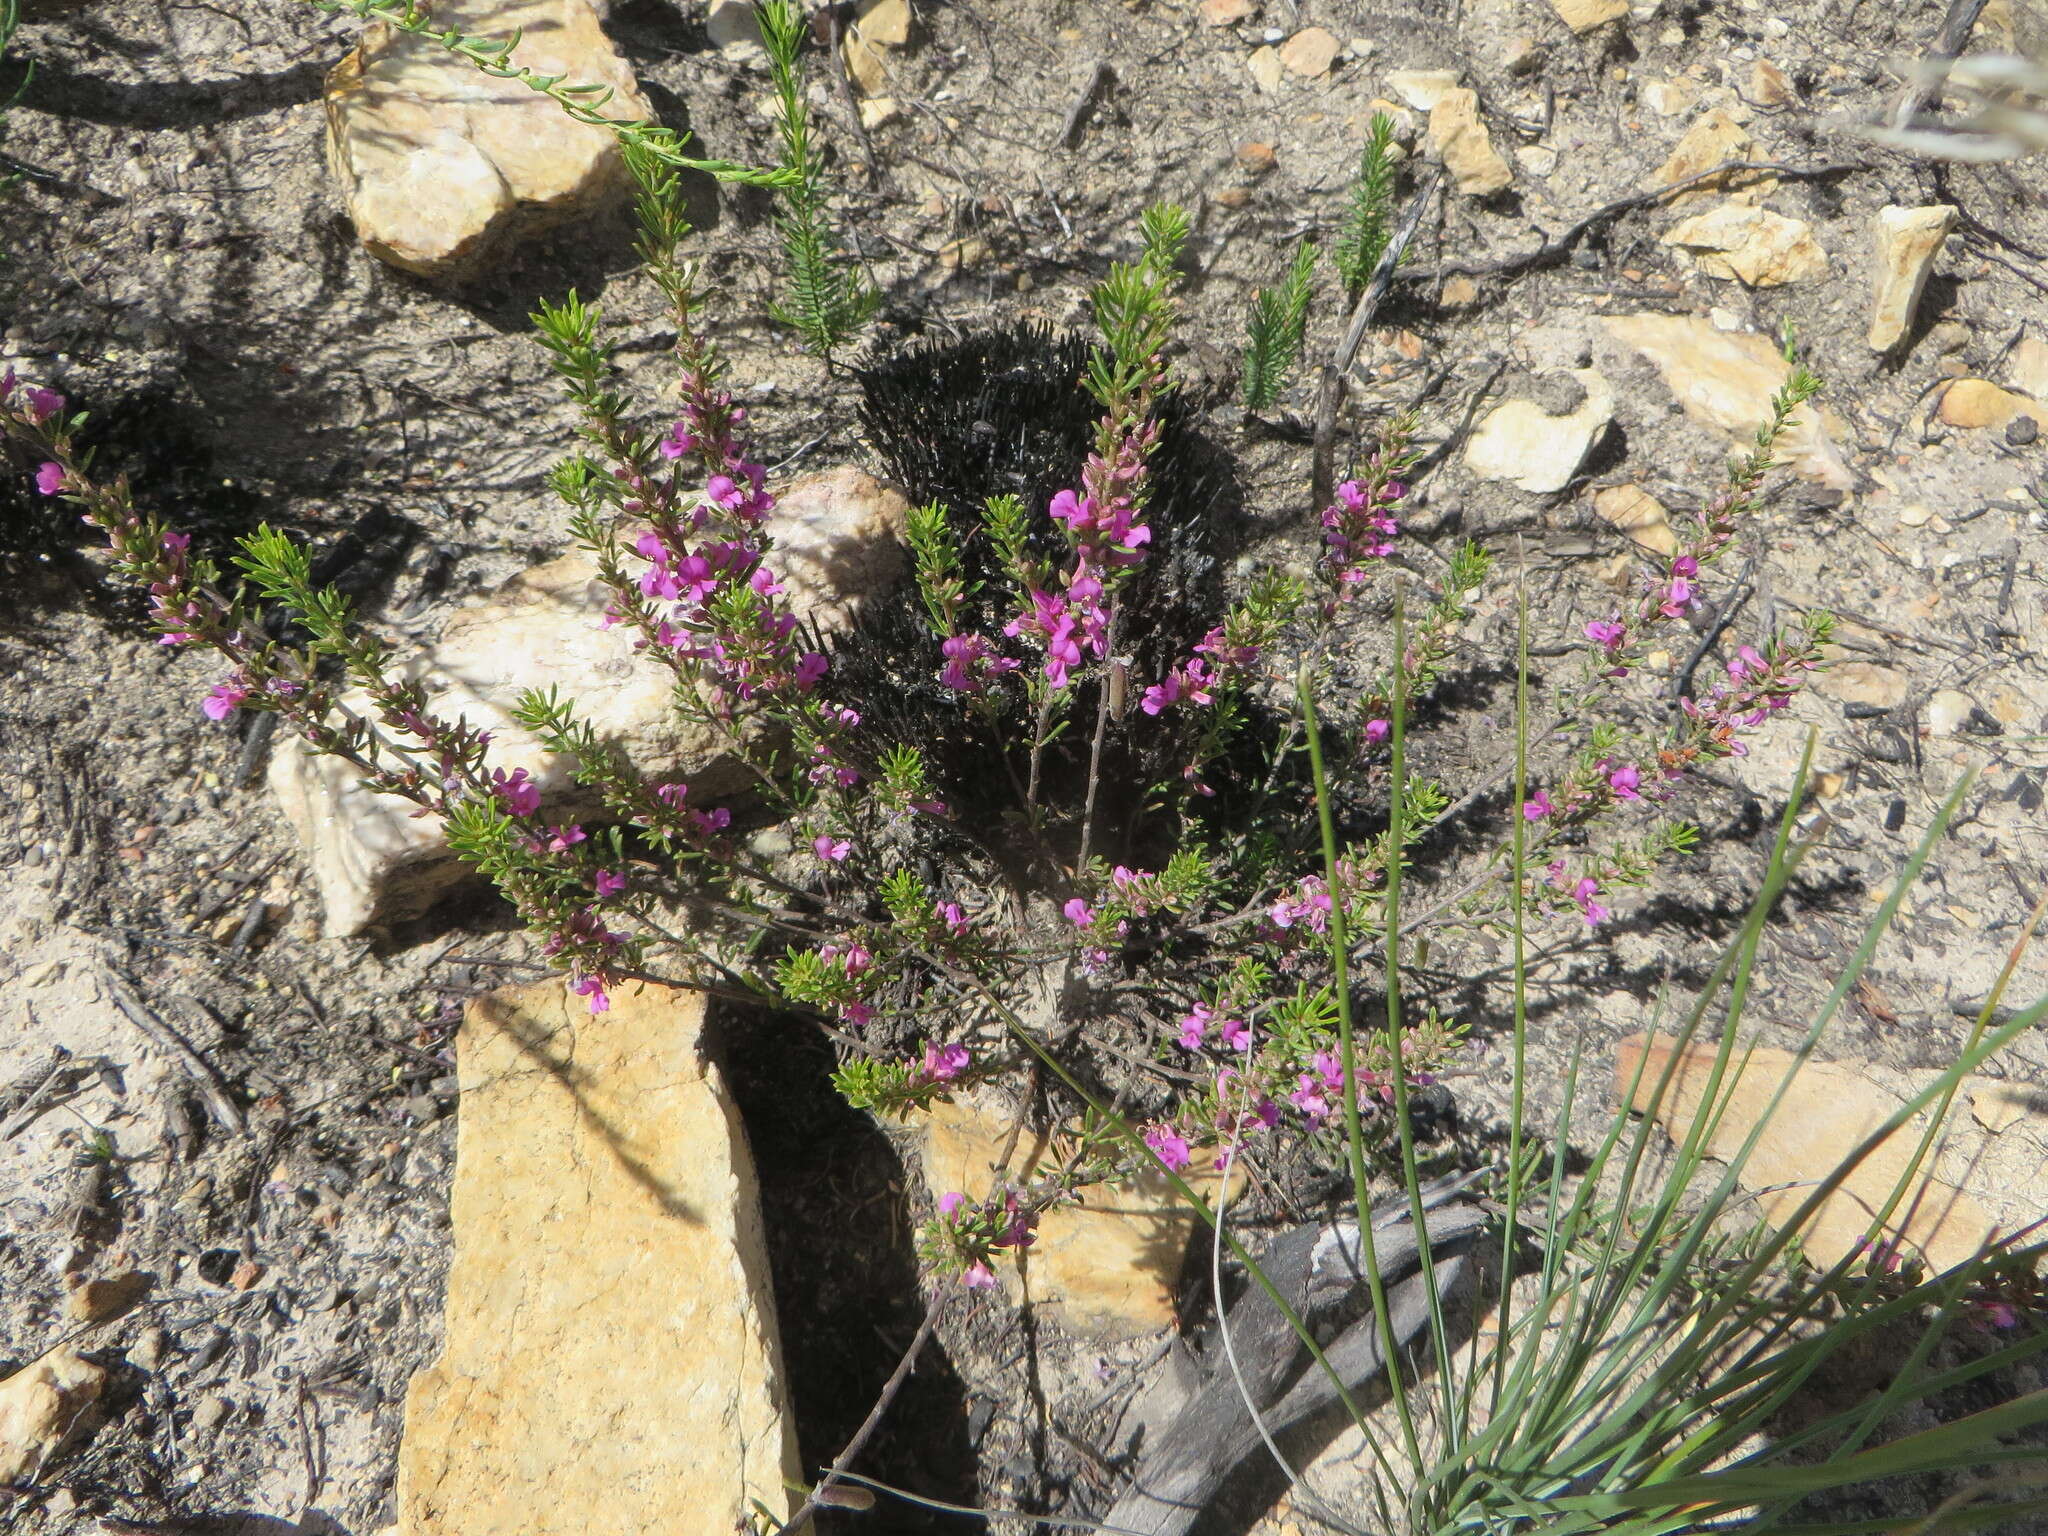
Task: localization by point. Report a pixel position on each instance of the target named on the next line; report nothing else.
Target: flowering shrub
(1210, 921)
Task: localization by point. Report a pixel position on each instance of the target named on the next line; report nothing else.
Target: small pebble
(2021, 431)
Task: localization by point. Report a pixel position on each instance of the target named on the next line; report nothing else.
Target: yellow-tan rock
(1908, 240)
(1310, 53)
(1980, 403)
(1109, 1265)
(440, 163)
(1829, 1108)
(1770, 86)
(2027, 368)
(1638, 514)
(1461, 139)
(1421, 89)
(611, 1361)
(1584, 16)
(1714, 139)
(1525, 445)
(1726, 379)
(1863, 682)
(372, 861)
(1751, 245)
(43, 1406)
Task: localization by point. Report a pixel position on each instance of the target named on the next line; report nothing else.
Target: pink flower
(1236, 1034)
(593, 988)
(608, 883)
(809, 669)
(1747, 663)
(1168, 1146)
(1625, 781)
(225, 698)
(41, 405)
(950, 1203)
(1537, 806)
(1194, 1027)
(1583, 893)
(1607, 632)
(1079, 913)
(516, 791)
(954, 919)
(859, 1015)
(671, 795)
(943, 1063)
(978, 1276)
(562, 839)
(831, 850)
(50, 479)
(1377, 731)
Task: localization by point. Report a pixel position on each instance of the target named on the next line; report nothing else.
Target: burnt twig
(1330, 398)
(212, 1089)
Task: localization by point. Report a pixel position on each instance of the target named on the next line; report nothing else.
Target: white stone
(439, 163)
(1523, 444)
(1948, 710)
(1265, 68)
(372, 861)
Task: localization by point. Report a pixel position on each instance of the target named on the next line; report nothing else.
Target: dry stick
(1330, 398)
(1948, 42)
(211, 1088)
(1556, 250)
(868, 1425)
(860, 128)
(1070, 130)
(1101, 731)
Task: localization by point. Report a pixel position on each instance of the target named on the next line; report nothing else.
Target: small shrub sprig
(828, 301)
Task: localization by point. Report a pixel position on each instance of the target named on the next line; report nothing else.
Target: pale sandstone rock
(1265, 68)
(1954, 1205)
(1460, 137)
(1980, 403)
(1714, 139)
(2027, 369)
(1310, 53)
(611, 1361)
(1750, 245)
(1668, 98)
(1908, 240)
(885, 22)
(1525, 445)
(440, 163)
(1863, 682)
(1948, 711)
(1727, 381)
(733, 25)
(1583, 16)
(1109, 1265)
(372, 861)
(1421, 89)
(1221, 13)
(42, 1406)
(1638, 514)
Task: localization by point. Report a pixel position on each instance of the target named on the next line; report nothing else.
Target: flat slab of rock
(612, 1363)
(1525, 445)
(1109, 1266)
(373, 861)
(1460, 136)
(1726, 379)
(1972, 1189)
(439, 163)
